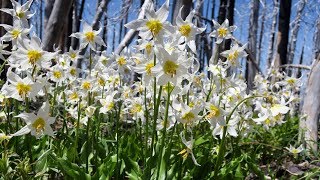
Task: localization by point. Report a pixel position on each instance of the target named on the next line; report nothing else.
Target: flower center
(233, 56)
(15, 33)
(101, 81)
(34, 56)
(222, 32)
(189, 116)
(74, 96)
(170, 68)
(73, 72)
(291, 81)
(57, 74)
(185, 30)
(122, 61)
(89, 36)
(136, 108)
(38, 125)
(20, 14)
(149, 66)
(73, 55)
(23, 89)
(214, 112)
(148, 48)
(86, 85)
(155, 26)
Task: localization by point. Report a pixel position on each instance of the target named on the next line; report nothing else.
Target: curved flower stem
(222, 143)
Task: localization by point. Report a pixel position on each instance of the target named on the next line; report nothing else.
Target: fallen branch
(296, 66)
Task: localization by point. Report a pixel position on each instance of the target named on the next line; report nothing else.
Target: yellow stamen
(155, 26)
(34, 56)
(23, 89)
(185, 30)
(89, 36)
(222, 32)
(170, 68)
(39, 125)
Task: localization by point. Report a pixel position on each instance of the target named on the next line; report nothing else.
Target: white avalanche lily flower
(171, 67)
(20, 89)
(188, 150)
(234, 54)
(38, 124)
(155, 25)
(188, 31)
(188, 115)
(14, 33)
(89, 36)
(222, 31)
(30, 55)
(19, 11)
(294, 150)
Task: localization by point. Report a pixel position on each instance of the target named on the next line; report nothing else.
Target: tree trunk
(55, 23)
(283, 34)
(263, 17)
(273, 32)
(311, 105)
(295, 30)
(5, 19)
(253, 25)
(47, 11)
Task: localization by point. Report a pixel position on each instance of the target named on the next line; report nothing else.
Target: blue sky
(241, 19)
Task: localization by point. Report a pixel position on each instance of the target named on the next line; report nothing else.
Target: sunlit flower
(294, 150)
(188, 31)
(30, 55)
(234, 54)
(20, 12)
(20, 88)
(38, 124)
(155, 25)
(89, 36)
(222, 31)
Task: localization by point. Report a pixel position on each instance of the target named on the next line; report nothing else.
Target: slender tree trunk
(295, 30)
(273, 32)
(263, 17)
(5, 19)
(283, 34)
(55, 23)
(311, 106)
(253, 24)
(47, 11)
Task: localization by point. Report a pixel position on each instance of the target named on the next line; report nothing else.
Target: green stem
(164, 131)
(222, 143)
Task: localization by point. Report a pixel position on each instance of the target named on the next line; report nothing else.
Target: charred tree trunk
(273, 32)
(55, 23)
(283, 34)
(263, 17)
(47, 11)
(253, 25)
(5, 19)
(311, 106)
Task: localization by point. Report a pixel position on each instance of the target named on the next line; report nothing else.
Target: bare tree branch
(131, 33)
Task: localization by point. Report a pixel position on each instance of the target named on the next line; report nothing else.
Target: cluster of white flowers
(166, 61)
